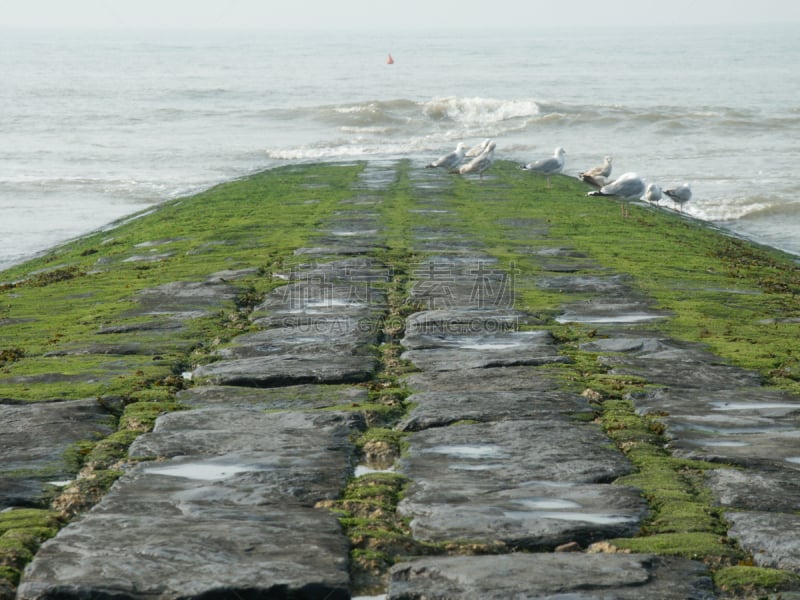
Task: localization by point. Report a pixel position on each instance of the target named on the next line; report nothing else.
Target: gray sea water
(98, 125)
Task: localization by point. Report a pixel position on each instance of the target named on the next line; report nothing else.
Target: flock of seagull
(626, 188)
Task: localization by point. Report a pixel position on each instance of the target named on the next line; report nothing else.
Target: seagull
(450, 160)
(547, 166)
(596, 181)
(478, 148)
(680, 195)
(478, 164)
(652, 193)
(628, 187)
(601, 171)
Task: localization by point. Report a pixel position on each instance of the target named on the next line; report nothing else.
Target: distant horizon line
(116, 28)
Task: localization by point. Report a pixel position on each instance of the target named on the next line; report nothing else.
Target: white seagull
(478, 164)
(547, 166)
(478, 148)
(652, 193)
(628, 187)
(449, 160)
(680, 195)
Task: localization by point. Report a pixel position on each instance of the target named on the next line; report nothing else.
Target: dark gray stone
(771, 538)
(34, 439)
(339, 337)
(573, 284)
(303, 456)
(528, 378)
(510, 453)
(536, 516)
(611, 311)
(437, 409)
(746, 490)
(283, 370)
(286, 552)
(232, 513)
(447, 340)
(507, 480)
(551, 576)
(296, 397)
(187, 299)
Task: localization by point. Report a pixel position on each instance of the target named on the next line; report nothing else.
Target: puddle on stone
(469, 451)
(332, 302)
(489, 346)
(354, 233)
(624, 318)
(547, 503)
(754, 405)
(738, 430)
(365, 470)
(63, 483)
(593, 518)
(199, 470)
(722, 443)
(484, 467)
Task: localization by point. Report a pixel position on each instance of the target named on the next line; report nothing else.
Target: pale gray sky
(384, 14)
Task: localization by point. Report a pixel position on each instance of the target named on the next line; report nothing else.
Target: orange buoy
(390, 60)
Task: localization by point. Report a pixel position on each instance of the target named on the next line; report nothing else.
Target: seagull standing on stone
(547, 166)
(680, 195)
(478, 148)
(478, 164)
(653, 193)
(628, 187)
(449, 160)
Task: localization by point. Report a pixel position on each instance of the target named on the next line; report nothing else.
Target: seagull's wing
(547, 165)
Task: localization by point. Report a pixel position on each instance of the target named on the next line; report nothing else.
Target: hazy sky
(383, 14)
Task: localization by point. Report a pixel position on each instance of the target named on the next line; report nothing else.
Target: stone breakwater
(226, 499)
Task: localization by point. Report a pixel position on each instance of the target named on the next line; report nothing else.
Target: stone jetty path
(512, 487)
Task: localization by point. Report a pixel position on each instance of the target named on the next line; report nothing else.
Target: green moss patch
(753, 582)
(22, 531)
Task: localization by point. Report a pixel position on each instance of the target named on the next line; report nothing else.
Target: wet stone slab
(674, 364)
(538, 516)
(305, 456)
(443, 340)
(611, 311)
(33, 439)
(567, 576)
(772, 448)
(296, 397)
(189, 299)
(775, 491)
(516, 481)
(289, 369)
(770, 537)
(437, 409)
(584, 283)
(338, 336)
(525, 378)
(747, 425)
(231, 513)
(280, 553)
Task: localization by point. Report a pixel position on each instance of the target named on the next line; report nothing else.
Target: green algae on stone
(22, 531)
(750, 581)
(694, 545)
